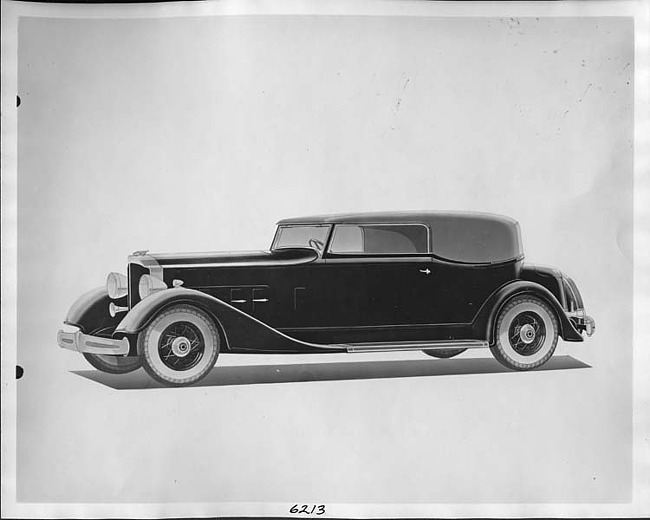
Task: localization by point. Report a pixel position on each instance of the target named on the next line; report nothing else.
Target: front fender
(487, 316)
(241, 332)
(90, 313)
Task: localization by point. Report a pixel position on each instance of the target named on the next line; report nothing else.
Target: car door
(381, 274)
(400, 290)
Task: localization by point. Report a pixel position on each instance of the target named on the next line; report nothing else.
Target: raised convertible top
(462, 236)
(392, 217)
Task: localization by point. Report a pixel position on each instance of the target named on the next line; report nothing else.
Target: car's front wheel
(444, 353)
(526, 333)
(180, 346)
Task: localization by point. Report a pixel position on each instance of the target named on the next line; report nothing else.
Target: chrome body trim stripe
(252, 263)
(420, 258)
(180, 256)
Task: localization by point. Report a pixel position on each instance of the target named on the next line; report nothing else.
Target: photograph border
(12, 12)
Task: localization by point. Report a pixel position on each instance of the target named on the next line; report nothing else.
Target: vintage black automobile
(367, 282)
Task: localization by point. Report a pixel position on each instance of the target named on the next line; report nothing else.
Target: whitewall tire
(180, 346)
(526, 333)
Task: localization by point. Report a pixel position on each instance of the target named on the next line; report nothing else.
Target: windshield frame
(276, 236)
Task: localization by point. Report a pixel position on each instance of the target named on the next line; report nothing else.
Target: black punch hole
(19, 371)
(17, 101)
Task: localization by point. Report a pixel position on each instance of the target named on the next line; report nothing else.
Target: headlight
(117, 285)
(149, 285)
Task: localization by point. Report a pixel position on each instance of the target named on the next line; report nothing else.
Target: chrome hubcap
(181, 346)
(527, 334)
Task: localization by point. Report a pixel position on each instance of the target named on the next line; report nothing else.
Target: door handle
(425, 271)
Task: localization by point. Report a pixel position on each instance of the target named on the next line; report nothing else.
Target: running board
(416, 345)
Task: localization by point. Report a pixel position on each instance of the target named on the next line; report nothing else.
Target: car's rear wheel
(444, 353)
(111, 364)
(180, 346)
(526, 333)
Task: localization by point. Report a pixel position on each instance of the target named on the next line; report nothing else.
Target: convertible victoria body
(439, 282)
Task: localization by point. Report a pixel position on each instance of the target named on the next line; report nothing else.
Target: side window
(347, 239)
(358, 239)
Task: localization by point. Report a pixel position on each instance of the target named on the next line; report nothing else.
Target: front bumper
(92, 344)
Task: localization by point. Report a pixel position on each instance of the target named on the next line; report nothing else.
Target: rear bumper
(583, 322)
(590, 325)
(80, 342)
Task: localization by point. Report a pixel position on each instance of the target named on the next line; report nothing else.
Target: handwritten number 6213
(305, 509)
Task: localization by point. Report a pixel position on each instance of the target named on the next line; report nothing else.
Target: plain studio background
(198, 134)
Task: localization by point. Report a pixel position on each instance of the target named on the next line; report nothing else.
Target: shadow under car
(330, 371)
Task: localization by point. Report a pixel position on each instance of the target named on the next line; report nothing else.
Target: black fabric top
(457, 236)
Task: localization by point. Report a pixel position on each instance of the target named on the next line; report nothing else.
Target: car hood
(244, 258)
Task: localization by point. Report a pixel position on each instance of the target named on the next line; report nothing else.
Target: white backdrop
(199, 133)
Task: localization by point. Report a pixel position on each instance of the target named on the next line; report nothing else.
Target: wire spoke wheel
(180, 346)
(526, 333)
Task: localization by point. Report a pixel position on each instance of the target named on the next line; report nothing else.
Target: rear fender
(240, 331)
(485, 322)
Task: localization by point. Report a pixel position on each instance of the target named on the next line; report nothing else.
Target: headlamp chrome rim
(116, 285)
(147, 285)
